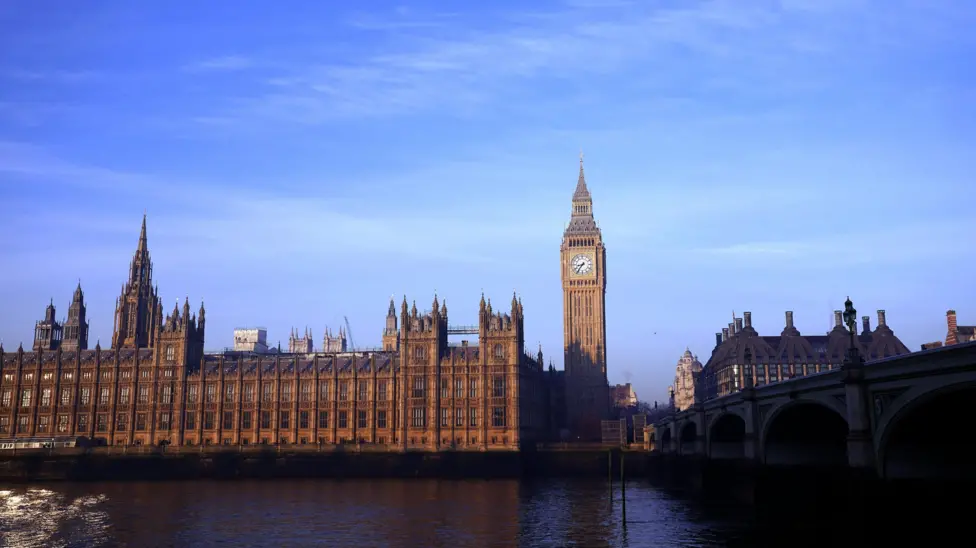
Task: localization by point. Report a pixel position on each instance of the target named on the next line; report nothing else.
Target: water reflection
(381, 513)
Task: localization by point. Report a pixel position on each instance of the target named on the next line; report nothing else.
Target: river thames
(363, 513)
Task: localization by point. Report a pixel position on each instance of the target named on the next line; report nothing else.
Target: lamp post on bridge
(860, 448)
(853, 358)
(671, 398)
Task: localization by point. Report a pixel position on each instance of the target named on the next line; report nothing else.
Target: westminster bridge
(905, 417)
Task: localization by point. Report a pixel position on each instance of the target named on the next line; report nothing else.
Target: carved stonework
(882, 401)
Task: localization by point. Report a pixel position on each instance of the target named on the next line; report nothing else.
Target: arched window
(418, 352)
(499, 351)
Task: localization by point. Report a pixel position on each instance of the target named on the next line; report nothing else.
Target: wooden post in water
(610, 474)
(623, 488)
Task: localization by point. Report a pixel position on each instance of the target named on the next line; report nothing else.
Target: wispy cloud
(226, 63)
(244, 224)
(900, 243)
(53, 76)
(28, 161)
(470, 64)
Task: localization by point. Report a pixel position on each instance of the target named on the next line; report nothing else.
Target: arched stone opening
(727, 437)
(806, 434)
(688, 439)
(930, 437)
(666, 440)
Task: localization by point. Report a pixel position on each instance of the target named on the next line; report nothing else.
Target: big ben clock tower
(583, 264)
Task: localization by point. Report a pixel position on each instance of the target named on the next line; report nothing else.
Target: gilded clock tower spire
(583, 272)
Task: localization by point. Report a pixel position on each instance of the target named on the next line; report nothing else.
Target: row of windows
(420, 352)
(88, 375)
(84, 396)
(419, 388)
(306, 392)
(418, 419)
(730, 379)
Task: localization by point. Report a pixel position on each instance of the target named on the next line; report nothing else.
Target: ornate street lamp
(850, 318)
(671, 393)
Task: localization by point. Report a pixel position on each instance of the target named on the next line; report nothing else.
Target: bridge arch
(805, 432)
(688, 438)
(727, 437)
(926, 433)
(666, 439)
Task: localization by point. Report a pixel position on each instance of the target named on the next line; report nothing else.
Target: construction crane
(352, 344)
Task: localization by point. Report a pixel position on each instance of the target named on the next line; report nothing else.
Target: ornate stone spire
(143, 246)
(582, 193)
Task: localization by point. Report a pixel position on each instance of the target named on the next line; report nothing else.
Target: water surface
(361, 513)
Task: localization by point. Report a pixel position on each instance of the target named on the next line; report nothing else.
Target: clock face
(581, 264)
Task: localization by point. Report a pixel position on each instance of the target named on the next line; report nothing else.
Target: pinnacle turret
(582, 193)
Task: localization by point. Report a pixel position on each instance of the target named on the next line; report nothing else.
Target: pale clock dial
(581, 264)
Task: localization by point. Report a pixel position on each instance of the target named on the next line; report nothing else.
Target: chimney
(725, 334)
(738, 325)
(837, 319)
(951, 337)
(866, 320)
(718, 339)
(789, 319)
(881, 318)
(748, 318)
(732, 329)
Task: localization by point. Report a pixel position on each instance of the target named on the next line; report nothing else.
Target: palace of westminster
(157, 385)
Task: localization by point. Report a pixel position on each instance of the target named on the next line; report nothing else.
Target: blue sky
(303, 161)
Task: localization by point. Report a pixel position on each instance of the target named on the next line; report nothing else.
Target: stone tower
(180, 338)
(583, 272)
(423, 340)
(76, 327)
(47, 332)
(300, 342)
(391, 335)
(137, 309)
(686, 379)
(334, 342)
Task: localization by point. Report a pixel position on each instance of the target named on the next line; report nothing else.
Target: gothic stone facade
(157, 385)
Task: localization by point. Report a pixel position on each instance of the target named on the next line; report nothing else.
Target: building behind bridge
(955, 334)
(156, 384)
(742, 357)
(686, 378)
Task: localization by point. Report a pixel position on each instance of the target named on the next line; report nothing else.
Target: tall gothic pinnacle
(142, 236)
(582, 193)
